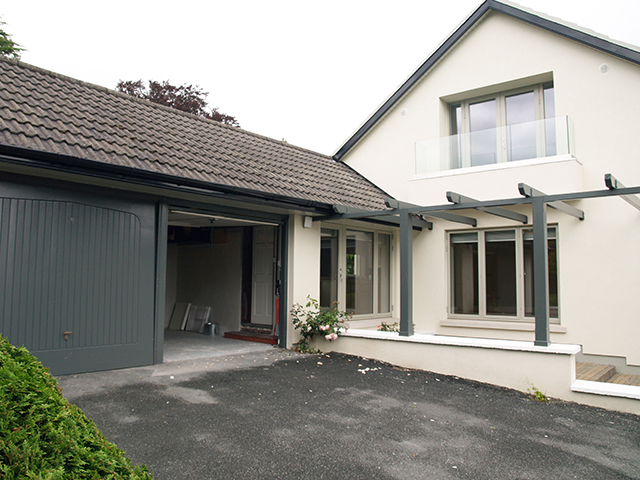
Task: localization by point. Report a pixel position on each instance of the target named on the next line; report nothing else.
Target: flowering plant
(389, 327)
(311, 319)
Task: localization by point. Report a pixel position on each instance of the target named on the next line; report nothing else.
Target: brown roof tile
(44, 111)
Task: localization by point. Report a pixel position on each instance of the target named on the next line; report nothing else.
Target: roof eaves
(126, 174)
(592, 40)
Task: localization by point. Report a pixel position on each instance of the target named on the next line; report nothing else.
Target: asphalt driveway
(281, 415)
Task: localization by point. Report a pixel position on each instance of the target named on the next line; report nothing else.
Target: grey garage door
(77, 278)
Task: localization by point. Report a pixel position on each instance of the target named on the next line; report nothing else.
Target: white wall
(517, 365)
(598, 257)
(211, 277)
(304, 267)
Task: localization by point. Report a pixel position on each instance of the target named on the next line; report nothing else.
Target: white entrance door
(263, 268)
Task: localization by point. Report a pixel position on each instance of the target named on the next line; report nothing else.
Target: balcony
(524, 141)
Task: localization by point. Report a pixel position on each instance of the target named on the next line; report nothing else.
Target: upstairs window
(505, 127)
(510, 126)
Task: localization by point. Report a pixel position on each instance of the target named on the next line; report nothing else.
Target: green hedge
(42, 435)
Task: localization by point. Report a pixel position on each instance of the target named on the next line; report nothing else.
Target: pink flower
(331, 336)
(324, 328)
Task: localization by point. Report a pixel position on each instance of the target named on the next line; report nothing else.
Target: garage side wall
(211, 275)
(77, 277)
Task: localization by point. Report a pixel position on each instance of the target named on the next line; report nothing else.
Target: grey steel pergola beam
(345, 211)
(527, 191)
(404, 214)
(612, 183)
(452, 217)
(504, 202)
(416, 222)
(498, 211)
(395, 204)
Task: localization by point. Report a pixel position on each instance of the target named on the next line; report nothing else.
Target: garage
(82, 272)
(114, 211)
(78, 275)
(223, 269)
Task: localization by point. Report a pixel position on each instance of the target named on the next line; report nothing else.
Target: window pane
(529, 308)
(482, 118)
(456, 137)
(500, 236)
(550, 120)
(328, 267)
(521, 127)
(384, 273)
(500, 259)
(464, 275)
(359, 272)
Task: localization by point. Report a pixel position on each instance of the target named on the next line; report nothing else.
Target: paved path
(281, 415)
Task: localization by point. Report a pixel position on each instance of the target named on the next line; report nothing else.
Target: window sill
(555, 348)
(370, 321)
(500, 325)
(498, 166)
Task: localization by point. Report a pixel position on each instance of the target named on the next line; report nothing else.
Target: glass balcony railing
(522, 141)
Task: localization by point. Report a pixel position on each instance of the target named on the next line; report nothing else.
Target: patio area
(183, 345)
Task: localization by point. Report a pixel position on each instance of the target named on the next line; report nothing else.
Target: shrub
(389, 327)
(312, 320)
(43, 436)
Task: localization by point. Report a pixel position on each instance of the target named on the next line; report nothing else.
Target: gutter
(76, 165)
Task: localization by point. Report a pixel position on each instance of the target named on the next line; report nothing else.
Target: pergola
(408, 217)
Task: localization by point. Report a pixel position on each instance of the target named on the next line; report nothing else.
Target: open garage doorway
(222, 282)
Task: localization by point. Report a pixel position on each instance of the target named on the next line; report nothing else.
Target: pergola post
(540, 271)
(406, 275)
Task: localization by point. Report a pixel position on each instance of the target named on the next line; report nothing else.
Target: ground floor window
(355, 270)
(491, 273)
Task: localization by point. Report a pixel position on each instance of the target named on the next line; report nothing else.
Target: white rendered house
(512, 105)
(471, 208)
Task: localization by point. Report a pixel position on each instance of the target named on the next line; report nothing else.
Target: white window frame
(482, 291)
(342, 267)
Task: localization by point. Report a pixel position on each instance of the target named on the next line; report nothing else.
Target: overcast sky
(308, 72)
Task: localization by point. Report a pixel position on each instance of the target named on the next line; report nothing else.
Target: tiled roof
(44, 111)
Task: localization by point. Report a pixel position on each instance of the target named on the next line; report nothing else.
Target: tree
(8, 48)
(188, 98)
